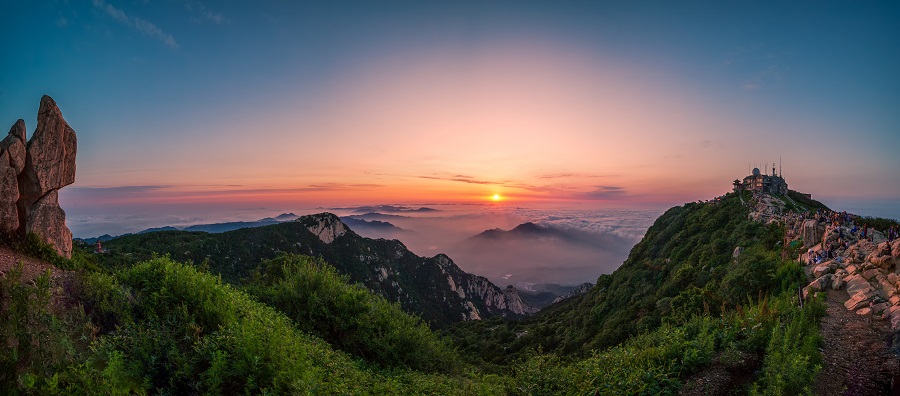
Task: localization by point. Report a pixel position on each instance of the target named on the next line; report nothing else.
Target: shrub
(350, 317)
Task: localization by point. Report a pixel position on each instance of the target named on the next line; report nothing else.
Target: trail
(857, 355)
(31, 267)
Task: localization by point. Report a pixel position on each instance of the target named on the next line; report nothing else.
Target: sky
(183, 106)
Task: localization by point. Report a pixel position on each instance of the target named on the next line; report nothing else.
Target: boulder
(880, 308)
(894, 300)
(871, 273)
(858, 300)
(887, 287)
(837, 283)
(820, 284)
(50, 155)
(737, 252)
(822, 269)
(812, 232)
(31, 175)
(895, 319)
(864, 311)
(856, 283)
(9, 195)
(14, 144)
(46, 219)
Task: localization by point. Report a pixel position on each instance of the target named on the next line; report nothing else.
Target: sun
(496, 197)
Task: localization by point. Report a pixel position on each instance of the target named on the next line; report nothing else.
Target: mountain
(708, 280)
(375, 228)
(286, 217)
(388, 209)
(368, 228)
(231, 226)
(157, 229)
(581, 289)
(538, 252)
(540, 295)
(434, 288)
(92, 241)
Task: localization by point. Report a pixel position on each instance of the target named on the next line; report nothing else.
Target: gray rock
(50, 155)
(9, 195)
(46, 219)
(14, 144)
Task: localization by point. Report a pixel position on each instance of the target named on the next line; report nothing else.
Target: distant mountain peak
(327, 226)
(286, 217)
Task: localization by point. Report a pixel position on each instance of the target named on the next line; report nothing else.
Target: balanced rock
(31, 175)
(50, 157)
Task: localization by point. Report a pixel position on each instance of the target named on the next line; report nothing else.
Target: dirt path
(855, 351)
(31, 267)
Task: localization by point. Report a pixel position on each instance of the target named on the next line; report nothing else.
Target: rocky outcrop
(583, 288)
(478, 288)
(31, 175)
(326, 226)
(12, 162)
(812, 232)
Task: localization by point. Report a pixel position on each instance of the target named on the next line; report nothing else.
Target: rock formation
(31, 175)
(812, 232)
(581, 289)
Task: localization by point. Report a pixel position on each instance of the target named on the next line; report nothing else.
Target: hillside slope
(434, 288)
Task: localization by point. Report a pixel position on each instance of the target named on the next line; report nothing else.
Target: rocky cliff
(581, 289)
(31, 175)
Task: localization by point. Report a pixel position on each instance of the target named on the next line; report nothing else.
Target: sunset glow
(604, 104)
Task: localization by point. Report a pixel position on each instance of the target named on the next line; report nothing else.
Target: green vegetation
(418, 284)
(807, 203)
(133, 322)
(322, 303)
(164, 327)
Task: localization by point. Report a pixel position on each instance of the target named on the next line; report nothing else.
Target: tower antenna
(779, 167)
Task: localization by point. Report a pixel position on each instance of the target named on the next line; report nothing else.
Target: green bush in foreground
(163, 327)
(349, 317)
(657, 363)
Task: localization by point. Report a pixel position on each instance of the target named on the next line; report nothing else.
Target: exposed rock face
(812, 233)
(9, 195)
(31, 175)
(12, 161)
(326, 226)
(581, 289)
(50, 158)
(478, 288)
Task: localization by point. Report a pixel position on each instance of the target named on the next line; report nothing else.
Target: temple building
(772, 184)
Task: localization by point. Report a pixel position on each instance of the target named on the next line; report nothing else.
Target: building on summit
(756, 181)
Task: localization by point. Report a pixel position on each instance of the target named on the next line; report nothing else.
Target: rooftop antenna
(779, 167)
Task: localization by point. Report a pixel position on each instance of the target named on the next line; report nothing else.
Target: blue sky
(391, 101)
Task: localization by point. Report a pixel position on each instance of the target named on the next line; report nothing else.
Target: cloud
(116, 190)
(603, 192)
(62, 22)
(139, 24)
(204, 14)
(461, 178)
(568, 175)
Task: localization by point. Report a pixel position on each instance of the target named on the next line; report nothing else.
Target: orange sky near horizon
(528, 121)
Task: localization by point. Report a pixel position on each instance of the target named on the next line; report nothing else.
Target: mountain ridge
(433, 287)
